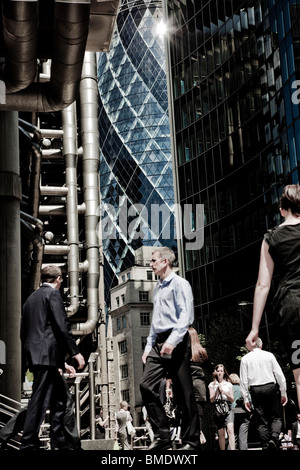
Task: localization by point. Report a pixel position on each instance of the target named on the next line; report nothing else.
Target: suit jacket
(45, 330)
(294, 432)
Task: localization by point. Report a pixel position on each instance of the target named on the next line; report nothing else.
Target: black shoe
(273, 445)
(160, 444)
(66, 447)
(3, 445)
(190, 447)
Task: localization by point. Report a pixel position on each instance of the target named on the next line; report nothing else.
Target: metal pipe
(35, 173)
(59, 210)
(71, 26)
(91, 362)
(20, 34)
(91, 185)
(84, 266)
(52, 133)
(69, 126)
(10, 255)
(51, 154)
(31, 128)
(56, 154)
(77, 403)
(54, 191)
(33, 220)
(56, 250)
(37, 254)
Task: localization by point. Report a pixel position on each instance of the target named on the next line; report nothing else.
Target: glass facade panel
(135, 147)
(245, 130)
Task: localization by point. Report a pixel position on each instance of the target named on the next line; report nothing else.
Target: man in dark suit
(46, 338)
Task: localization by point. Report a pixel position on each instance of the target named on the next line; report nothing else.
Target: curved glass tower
(136, 173)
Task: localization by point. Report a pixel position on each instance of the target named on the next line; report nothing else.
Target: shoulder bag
(221, 407)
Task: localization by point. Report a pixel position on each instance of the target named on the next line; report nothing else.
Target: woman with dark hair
(199, 365)
(280, 255)
(221, 388)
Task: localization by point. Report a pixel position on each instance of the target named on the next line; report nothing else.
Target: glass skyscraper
(136, 173)
(234, 84)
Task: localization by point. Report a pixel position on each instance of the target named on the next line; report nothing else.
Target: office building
(234, 67)
(130, 319)
(136, 175)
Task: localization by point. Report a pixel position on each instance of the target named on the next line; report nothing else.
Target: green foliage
(243, 351)
(202, 340)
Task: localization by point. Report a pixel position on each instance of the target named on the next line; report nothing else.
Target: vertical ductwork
(71, 27)
(91, 188)
(20, 34)
(70, 153)
(10, 254)
(32, 228)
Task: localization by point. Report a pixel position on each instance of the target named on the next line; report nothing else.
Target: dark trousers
(267, 410)
(178, 369)
(16, 423)
(48, 392)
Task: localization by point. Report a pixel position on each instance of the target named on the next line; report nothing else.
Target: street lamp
(243, 303)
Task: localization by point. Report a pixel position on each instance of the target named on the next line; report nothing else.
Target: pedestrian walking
(167, 353)
(262, 377)
(241, 415)
(221, 389)
(46, 339)
(122, 417)
(200, 365)
(280, 255)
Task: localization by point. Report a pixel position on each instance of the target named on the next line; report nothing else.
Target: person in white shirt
(167, 353)
(221, 387)
(261, 375)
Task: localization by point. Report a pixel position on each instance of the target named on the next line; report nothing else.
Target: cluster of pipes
(71, 73)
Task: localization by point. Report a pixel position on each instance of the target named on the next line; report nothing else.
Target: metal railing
(8, 408)
(84, 403)
(85, 396)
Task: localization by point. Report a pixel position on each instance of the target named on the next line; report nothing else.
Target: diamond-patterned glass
(135, 145)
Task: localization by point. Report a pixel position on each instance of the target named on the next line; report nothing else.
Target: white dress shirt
(173, 309)
(260, 367)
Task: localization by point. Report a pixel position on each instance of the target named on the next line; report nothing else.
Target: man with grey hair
(261, 376)
(167, 353)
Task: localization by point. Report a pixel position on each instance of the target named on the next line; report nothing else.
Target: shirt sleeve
(184, 303)
(150, 339)
(280, 378)
(244, 386)
(60, 324)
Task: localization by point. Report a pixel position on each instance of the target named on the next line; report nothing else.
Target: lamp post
(243, 303)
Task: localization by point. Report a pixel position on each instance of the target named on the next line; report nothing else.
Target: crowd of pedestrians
(174, 356)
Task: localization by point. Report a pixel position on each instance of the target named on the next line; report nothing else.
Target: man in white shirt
(261, 375)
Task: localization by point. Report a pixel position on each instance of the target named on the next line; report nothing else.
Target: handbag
(221, 407)
(172, 412)
(130, 429)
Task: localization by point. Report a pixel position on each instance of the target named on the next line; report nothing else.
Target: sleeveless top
(284, 248)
